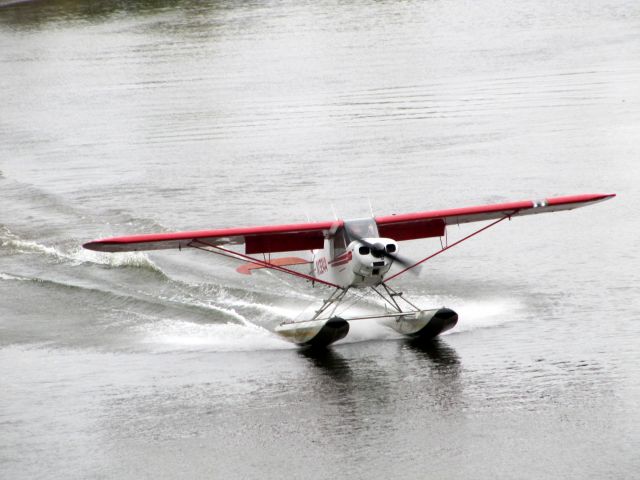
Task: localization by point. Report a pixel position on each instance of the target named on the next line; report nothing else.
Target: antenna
(334, 212)
(370, 207)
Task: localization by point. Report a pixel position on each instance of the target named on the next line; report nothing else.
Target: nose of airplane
(378, 250)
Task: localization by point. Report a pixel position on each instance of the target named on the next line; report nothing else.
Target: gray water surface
(148, 116)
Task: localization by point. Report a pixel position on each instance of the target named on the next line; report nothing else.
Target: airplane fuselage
(359, 262)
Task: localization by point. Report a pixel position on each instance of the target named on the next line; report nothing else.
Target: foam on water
(271, 311)
(178, 335)
(6, 276)
(208, 306)
(80, 255)
(475, 314)
(369, 330)
(120, 259)
(16, 245)
(472, 314)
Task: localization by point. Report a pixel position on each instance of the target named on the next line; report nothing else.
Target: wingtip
(97, 246)
(602, 197)
(91, 246)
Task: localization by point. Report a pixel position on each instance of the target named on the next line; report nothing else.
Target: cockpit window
(339, 243)
(361, 228)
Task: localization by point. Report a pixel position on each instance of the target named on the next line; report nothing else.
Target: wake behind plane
(347, 255)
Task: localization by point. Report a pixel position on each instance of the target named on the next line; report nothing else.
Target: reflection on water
(328, 362)
(431, 371)
(443, 385)
(26, 14)
(442, 355)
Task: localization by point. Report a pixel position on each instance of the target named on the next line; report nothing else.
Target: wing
(309, 236)
(411, 226)
(266, 239)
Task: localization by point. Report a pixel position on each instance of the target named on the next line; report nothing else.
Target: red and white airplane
(347, 254)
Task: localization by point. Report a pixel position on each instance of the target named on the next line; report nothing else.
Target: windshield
(361, 228)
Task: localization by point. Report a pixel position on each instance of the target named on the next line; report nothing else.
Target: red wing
(267, 239)
(432, 224)
(308, 236)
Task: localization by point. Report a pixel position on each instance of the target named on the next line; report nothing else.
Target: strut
(449, 246)
(224, 252)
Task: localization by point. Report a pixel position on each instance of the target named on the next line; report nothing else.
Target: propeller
(379, 250)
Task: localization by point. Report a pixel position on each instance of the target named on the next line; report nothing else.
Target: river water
(146, 116)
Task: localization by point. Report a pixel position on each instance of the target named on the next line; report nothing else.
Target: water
(157, 116)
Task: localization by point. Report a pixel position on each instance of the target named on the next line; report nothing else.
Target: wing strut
(448, 247)
(237, 256)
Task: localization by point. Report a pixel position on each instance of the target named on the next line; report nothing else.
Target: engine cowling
(371, 258)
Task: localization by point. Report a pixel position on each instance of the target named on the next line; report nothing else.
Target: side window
(339, 243)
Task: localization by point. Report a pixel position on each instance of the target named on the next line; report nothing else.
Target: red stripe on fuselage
(341, 260)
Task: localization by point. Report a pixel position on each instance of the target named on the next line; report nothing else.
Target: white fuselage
(357, 265)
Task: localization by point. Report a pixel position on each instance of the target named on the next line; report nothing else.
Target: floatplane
(347, 255)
